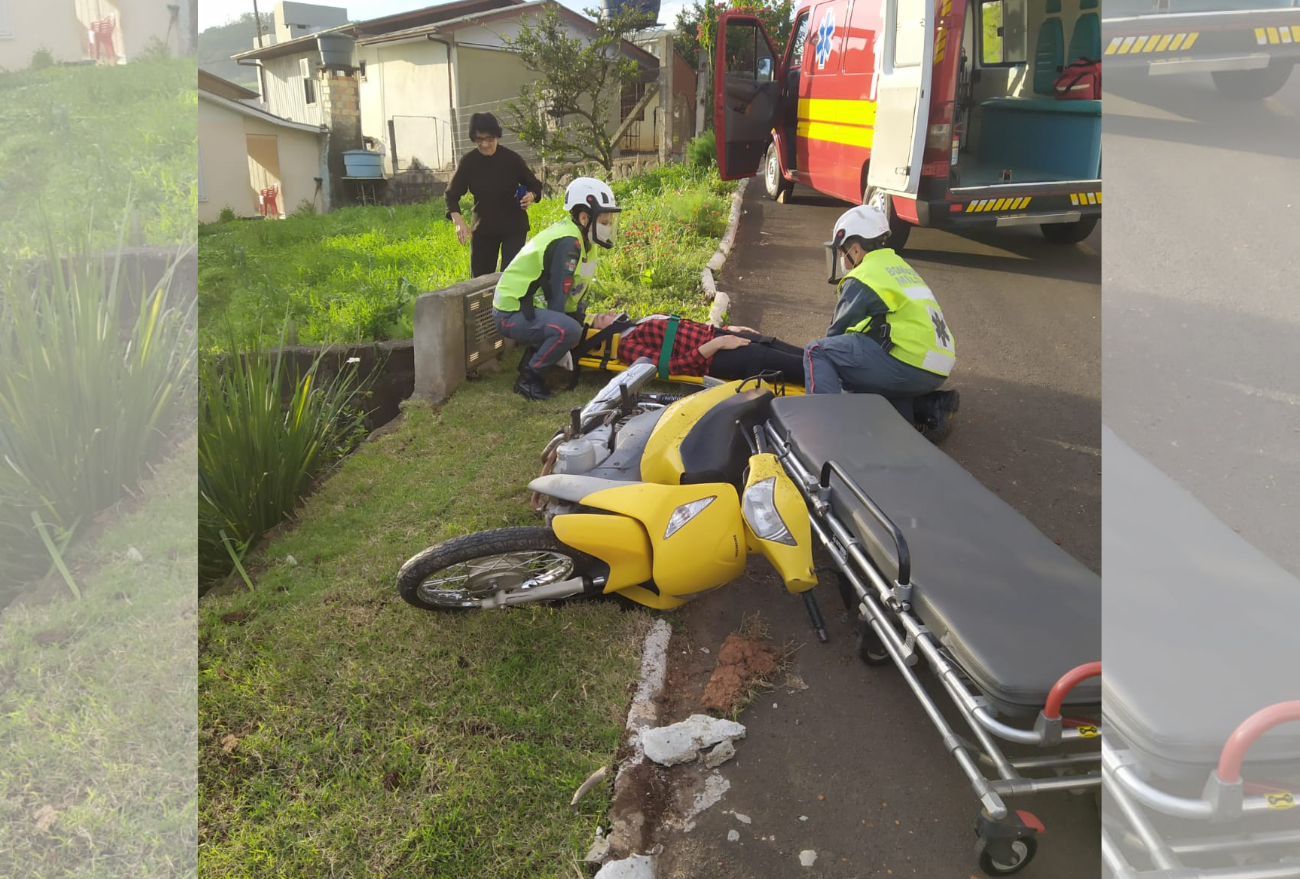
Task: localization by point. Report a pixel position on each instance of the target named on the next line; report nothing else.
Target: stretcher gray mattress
(1200, 625)
(1014, 609)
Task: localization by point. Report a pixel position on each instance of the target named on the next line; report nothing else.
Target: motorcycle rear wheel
(460, 573)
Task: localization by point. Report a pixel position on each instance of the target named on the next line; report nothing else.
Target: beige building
(107, 31)
(418, 76)
(244, 151)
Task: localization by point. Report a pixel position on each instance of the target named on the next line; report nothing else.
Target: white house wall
(408, 83)
(223, 155)
(63, 26)
(285, 96)
(26, 27)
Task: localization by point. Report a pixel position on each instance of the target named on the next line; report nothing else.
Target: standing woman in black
(503, 187)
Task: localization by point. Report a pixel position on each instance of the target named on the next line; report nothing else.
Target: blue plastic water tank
(363, 163)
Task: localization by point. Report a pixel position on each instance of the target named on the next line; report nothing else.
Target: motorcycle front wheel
(465, 571)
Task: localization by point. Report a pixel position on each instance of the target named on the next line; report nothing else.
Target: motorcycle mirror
(633, 378)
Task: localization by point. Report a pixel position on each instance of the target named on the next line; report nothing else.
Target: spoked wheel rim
(468, 583)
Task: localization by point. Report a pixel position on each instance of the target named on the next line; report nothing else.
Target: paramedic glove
(566, 362)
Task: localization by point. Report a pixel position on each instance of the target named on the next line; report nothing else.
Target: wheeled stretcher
(1201, 751)
(939, 569)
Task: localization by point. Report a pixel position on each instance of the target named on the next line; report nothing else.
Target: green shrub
(227, 215)
(85, 404)
(702, 151)
(258, 455)
(42, 58)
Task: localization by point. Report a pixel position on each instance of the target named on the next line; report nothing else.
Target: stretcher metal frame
(1004, 837)
(1227, 797)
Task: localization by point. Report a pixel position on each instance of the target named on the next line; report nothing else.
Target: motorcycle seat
(1014, 610)
(715, 449)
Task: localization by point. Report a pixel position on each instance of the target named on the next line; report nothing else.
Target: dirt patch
(743, 664)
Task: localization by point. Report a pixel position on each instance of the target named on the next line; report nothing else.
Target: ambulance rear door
(904, 68)
(746, 94)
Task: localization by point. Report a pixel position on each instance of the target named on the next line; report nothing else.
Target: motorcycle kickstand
(815, 614)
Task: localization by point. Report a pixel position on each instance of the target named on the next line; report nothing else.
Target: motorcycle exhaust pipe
(549, 592)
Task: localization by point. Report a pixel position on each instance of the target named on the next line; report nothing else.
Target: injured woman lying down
(700, 349)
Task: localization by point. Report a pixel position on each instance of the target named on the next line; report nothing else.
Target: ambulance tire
(1253, 85)
(775, 185)
(899, 229)
(1069, 233)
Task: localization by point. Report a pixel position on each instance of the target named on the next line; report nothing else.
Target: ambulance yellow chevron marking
(1277, 36)
(1145, 44)
(998, 204)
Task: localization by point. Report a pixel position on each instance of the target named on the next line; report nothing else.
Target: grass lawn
(75, 140)
(345, 733)
(353, 275)
(97, 703)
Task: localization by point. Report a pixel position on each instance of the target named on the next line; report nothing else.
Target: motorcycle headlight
(685, 513)
(759, 507)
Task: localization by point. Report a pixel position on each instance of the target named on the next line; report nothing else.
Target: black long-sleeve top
(492, 180)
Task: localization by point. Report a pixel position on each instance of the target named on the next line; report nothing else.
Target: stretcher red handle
(1062, 688)
(1234, 750)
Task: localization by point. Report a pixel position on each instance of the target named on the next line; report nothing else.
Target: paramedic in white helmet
(548, 265)
(888, 335)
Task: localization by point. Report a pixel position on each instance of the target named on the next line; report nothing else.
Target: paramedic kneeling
(548, 264)
(888, 335)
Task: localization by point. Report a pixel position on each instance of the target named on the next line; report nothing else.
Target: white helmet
(596, 197)
(865, 221)
(588, 192)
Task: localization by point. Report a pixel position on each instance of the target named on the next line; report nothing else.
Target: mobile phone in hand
(520, 192)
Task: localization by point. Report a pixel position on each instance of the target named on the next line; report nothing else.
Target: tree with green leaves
(565, 113)
(697, 25)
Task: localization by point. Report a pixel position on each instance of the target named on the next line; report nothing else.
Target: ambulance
(945, 113)
(1249, 47)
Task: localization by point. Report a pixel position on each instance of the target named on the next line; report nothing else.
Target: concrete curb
(642, 715)
(721, 301)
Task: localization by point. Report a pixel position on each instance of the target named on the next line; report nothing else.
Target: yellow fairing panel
(706, 552)
(793, 563)
(661, 462)
(617, 541)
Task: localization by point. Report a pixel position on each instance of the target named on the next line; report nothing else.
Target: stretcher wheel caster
(1019, 852)
(871, 649)
(1006, 846)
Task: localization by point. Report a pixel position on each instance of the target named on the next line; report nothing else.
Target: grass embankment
(353, 275)
(346, 733)
(76, 140)
(97, 703)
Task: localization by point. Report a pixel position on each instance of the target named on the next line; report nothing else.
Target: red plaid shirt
(646, 339)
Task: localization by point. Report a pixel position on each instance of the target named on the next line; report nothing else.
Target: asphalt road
(1201, 315)
(854, 754)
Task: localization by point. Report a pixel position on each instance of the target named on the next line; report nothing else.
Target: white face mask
(605, 228)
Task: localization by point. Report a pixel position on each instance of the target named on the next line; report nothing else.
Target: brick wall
(341, 109)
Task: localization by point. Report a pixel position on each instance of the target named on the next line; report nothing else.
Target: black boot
(531, 385)
(934, 413)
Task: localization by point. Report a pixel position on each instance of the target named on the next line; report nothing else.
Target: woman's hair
(484, 123)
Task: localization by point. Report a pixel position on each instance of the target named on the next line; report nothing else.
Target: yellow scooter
(656, 501)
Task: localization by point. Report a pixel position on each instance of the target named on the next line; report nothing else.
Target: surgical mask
(604, 229)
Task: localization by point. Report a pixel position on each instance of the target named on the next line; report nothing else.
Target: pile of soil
(742, 664)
